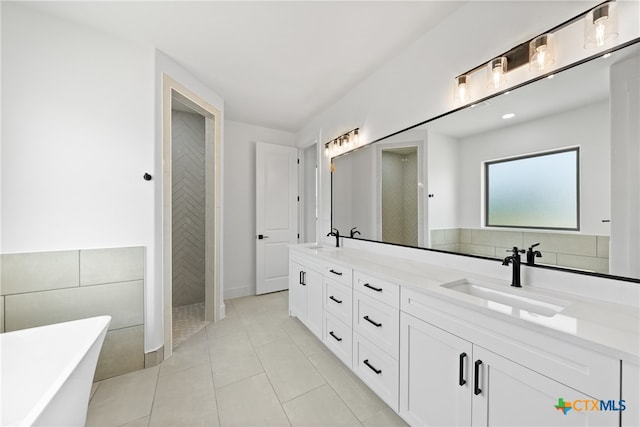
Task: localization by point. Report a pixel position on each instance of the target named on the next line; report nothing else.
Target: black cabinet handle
(377, 371)
(303, 278)
(335, 337)
(366, 285)
(335, 299)
(335, 272)
(372, 322)
(461, 380)
(300, 280)
(476, 389)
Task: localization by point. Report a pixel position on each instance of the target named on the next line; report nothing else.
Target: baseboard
(153, 358)
(238, 292)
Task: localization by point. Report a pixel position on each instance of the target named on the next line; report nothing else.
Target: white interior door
(276, 214)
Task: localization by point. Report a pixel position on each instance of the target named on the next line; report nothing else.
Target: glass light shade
(461, 89)
(541, 52)
(356, 137)
(496, 72)
(327, 150)
(601, 25)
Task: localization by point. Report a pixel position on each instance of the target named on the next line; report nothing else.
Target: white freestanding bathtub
(46, 372)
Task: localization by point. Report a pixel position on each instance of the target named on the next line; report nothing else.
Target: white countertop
(612, 329)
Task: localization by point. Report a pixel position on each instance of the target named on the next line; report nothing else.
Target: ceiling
(276, 64)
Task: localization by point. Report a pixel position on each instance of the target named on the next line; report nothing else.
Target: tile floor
(256, 367)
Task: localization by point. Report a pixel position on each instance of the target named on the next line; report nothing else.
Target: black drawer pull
(335, 337)
(335, 299)
(366, 285)
(476, 389)
(335, 272)
(377, 371)
(461, 380)
(303, 278)
(372, 322)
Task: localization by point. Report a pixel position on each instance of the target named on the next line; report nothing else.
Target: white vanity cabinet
(376, 339)
(305, 292)
(446, 379)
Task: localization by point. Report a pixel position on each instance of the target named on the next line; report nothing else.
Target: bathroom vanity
(448, 347)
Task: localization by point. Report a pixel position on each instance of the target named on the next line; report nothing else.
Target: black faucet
(353, 232)
(335, 232)
(532, 255)
(515, 261)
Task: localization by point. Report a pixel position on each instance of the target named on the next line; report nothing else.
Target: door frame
(213, 204)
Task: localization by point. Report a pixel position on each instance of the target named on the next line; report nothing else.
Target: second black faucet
(336, 233)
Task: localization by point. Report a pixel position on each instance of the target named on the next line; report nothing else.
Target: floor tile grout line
(155, 391)
(266, 374)
(213, 384)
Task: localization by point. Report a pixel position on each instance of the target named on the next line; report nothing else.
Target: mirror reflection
(531, 168)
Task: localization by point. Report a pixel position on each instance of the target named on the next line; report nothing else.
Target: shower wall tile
(603, 246)
(122, 352)
(466, 248)
(574, 244)
(465, 235)
(98, 266)
(496, 238)
(599, 265)
(437, 237)
(451, 235)
(39, 271)
(122, 301)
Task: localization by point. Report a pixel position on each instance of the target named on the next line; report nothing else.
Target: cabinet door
(508, 394)
(313, 281)
(435, 375)
(297, 292)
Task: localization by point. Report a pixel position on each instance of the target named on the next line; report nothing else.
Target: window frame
(487, 164)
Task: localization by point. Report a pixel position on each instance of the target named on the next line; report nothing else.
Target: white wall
(417, 84)
(240, 203)
(84, 125)
(586, 127)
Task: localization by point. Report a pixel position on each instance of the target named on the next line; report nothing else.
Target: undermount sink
(508, 299)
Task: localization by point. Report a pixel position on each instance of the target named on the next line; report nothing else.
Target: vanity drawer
(376, 369)
(378, 322)
(338, 338)
(388, 293)
(338, 273)
(337, 300)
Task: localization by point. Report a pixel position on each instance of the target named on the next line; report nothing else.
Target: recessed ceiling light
(551, 76)
(507, 92)
(473, 105)
(508, 116)
(606, 55)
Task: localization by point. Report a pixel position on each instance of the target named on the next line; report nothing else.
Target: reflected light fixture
(342, 144)
(461, 90)
(496, 72)
(541, 52)
(601, 25)
(508, 116)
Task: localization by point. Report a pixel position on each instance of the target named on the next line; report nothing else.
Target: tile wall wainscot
(579, 251)
(42, 288)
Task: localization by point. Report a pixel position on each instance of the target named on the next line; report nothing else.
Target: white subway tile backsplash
(478, 250)
(39, 271)
(98, 266)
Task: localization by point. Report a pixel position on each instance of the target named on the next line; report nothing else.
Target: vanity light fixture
(343, 143)
(496, 72)
(541, 52)
(461, 91)
(601, 25)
